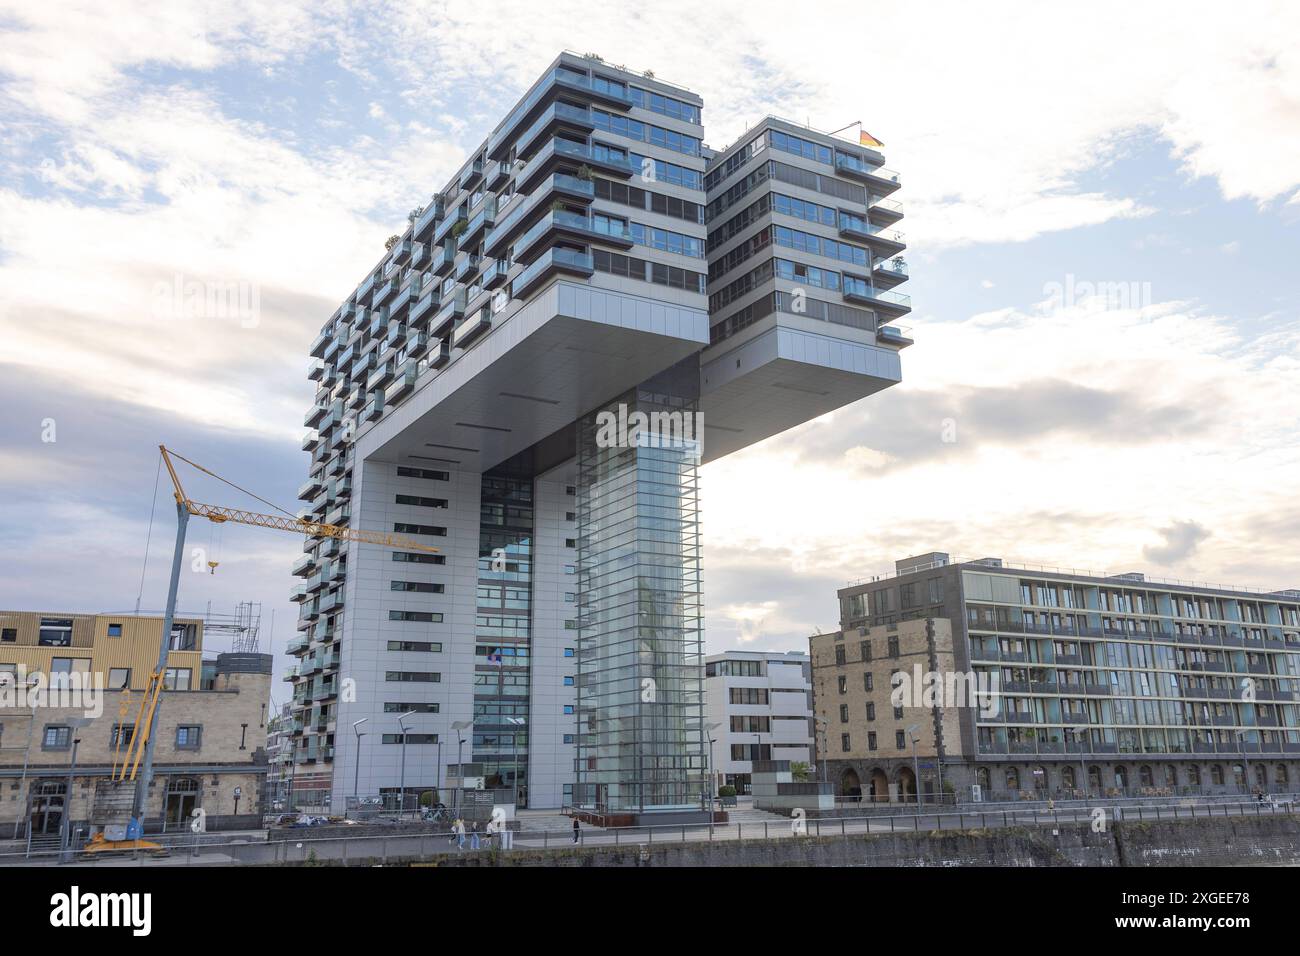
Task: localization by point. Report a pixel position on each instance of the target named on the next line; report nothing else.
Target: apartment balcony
(340, 515)
(375, 410)
(557, 116)
(471, 174)
(479, 223)
(451, 312)
(380, 376)
(440, 355)
(395, 336)
(310, 441)
(356, 398)
(494, 273)
(298, 593)
(892, 304)
(559, 152)
(419, 251)
(417, 344)
(421, 310)
(344, 362)
(884, 211)
(319, 343)
(466, 268)
(376, 324)
(397, 308)
(315, 370)
(337, 465)
(449, 228)
(470, 329)
(308, 489)
(887, 273)
(315, 415)
(331, 347)
(880, 179)
(560, 80)
(894, 337)
(560, 187)
(297, 644)
(554, 261)
(403, 382)
(562, 223)
(303, 566)
(364, 289)
(331, 602)
(362, 368)
(444, 257)
(428, 216)
(498, 174)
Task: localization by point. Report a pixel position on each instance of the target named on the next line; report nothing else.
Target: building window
(188, 736)
(177, 678)
(419, 587)
(568, 652)
(56, 737)
(844, 713)
(570, 542)
(119, 677)
(871, 711)
(568, 681)
(900, 741)
(423, 617)
(55, 632)
(9, 635)
(568, 708)
(893, 645)
(864, 648)
(122, 735)
(868, 681)
(898, 713)
(843, 683)
(416, 647)
(405, 707)
(413, 677)
(839, 654)
(183, 637)
(410, 738)
(568, 738)
(871, 740)
(115, 630)
(844, 742)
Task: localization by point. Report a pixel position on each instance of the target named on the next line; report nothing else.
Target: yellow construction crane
(137, 765)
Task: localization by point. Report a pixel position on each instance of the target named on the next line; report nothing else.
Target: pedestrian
(460, 833)
(473, 837)
(577, 831)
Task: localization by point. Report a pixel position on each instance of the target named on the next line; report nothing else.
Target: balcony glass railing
(895, 266)
(551, 259)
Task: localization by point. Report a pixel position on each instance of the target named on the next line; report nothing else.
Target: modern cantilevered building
(565, 271)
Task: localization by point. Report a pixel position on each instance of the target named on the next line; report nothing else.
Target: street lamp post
(916, 764)
(356, 774)
(32, 682)
(825, 726)
(65, 844)
(459, 726)
(1241, 748)
(515, 722)
(708, 732)
(1080, 733)
(401, 722)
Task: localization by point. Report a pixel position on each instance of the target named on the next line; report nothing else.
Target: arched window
(1013, 779)
(1194, 775)
(1094, 777)
(1121, 777)
(982, 778)
(1040, 779)
(1171, 775)
(1067, 778)
(1261, 776)
(1239, 776)
(1216, 774)
(1281, 775)
(1145, 776)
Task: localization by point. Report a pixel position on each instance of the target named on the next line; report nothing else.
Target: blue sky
(275, 147)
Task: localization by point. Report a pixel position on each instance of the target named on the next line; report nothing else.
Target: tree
(800, 772)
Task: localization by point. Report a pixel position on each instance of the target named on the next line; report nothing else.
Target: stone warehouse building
(211, 732)
(1107, 683)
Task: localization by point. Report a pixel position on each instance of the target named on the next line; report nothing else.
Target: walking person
(473, 836)
(459, 827)
(577, 832)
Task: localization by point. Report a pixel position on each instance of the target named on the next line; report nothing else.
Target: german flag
(866, 139)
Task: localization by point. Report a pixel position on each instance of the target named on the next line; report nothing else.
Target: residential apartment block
(211, 732)
(1111, 683)
(759, 707)
(563, 273)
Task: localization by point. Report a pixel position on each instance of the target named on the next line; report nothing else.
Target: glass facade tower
(640, 700)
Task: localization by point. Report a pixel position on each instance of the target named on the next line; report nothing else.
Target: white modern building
(759, 706)
(562, 275)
